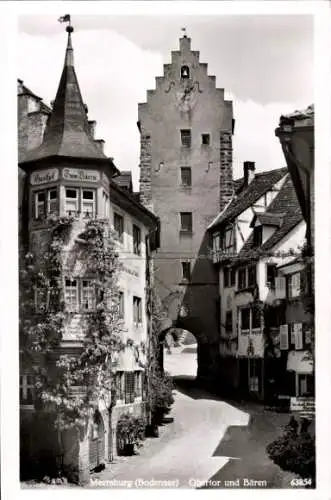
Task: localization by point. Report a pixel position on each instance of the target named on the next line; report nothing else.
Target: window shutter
(280, 287)
(283, 337)
(298, 336)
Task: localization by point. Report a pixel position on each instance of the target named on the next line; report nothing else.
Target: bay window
(79, 200)
(71, 201)
(45, 202)
(88, 203)
(52, 201)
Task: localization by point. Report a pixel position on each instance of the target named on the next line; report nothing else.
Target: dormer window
(257, 236)
(185, 72)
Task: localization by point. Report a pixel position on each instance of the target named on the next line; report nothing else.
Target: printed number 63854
(301, 482)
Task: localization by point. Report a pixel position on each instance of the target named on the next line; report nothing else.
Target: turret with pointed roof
(67, 132)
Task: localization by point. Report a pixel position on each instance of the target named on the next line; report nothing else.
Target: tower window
(186, 271)
(185, 136)
(186, 176)
(205, 139)
(185, 72)
(186, 222)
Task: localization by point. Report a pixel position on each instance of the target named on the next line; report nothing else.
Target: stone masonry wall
(145, 171)
(226, 171)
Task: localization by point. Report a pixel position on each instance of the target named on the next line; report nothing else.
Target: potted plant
(161, 396)
(130, 433)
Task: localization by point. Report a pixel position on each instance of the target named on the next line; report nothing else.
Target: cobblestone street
(208, 438)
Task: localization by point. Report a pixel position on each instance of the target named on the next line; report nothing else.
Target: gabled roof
(67, 131)
(124, 180)
(246, 197)
(286, 202)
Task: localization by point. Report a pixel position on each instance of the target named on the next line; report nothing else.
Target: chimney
(100, 143)
(91, 127)
(249, 172)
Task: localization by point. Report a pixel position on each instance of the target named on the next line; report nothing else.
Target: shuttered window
(129, 387)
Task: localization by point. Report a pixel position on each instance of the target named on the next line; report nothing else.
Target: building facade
(252, 236)
(186, 128)
(65, 175)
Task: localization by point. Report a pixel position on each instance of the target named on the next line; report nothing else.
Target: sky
(263, 62)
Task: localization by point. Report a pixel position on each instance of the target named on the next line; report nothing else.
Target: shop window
(185, 137)
(119, 226)
(136, 240)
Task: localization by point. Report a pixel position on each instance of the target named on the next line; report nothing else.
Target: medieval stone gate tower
(186, 129)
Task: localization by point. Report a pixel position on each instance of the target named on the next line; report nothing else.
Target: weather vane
(66, 19)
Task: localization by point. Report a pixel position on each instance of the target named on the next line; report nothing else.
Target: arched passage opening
(180, 353)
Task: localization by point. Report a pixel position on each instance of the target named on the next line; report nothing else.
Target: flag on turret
(64, 19)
